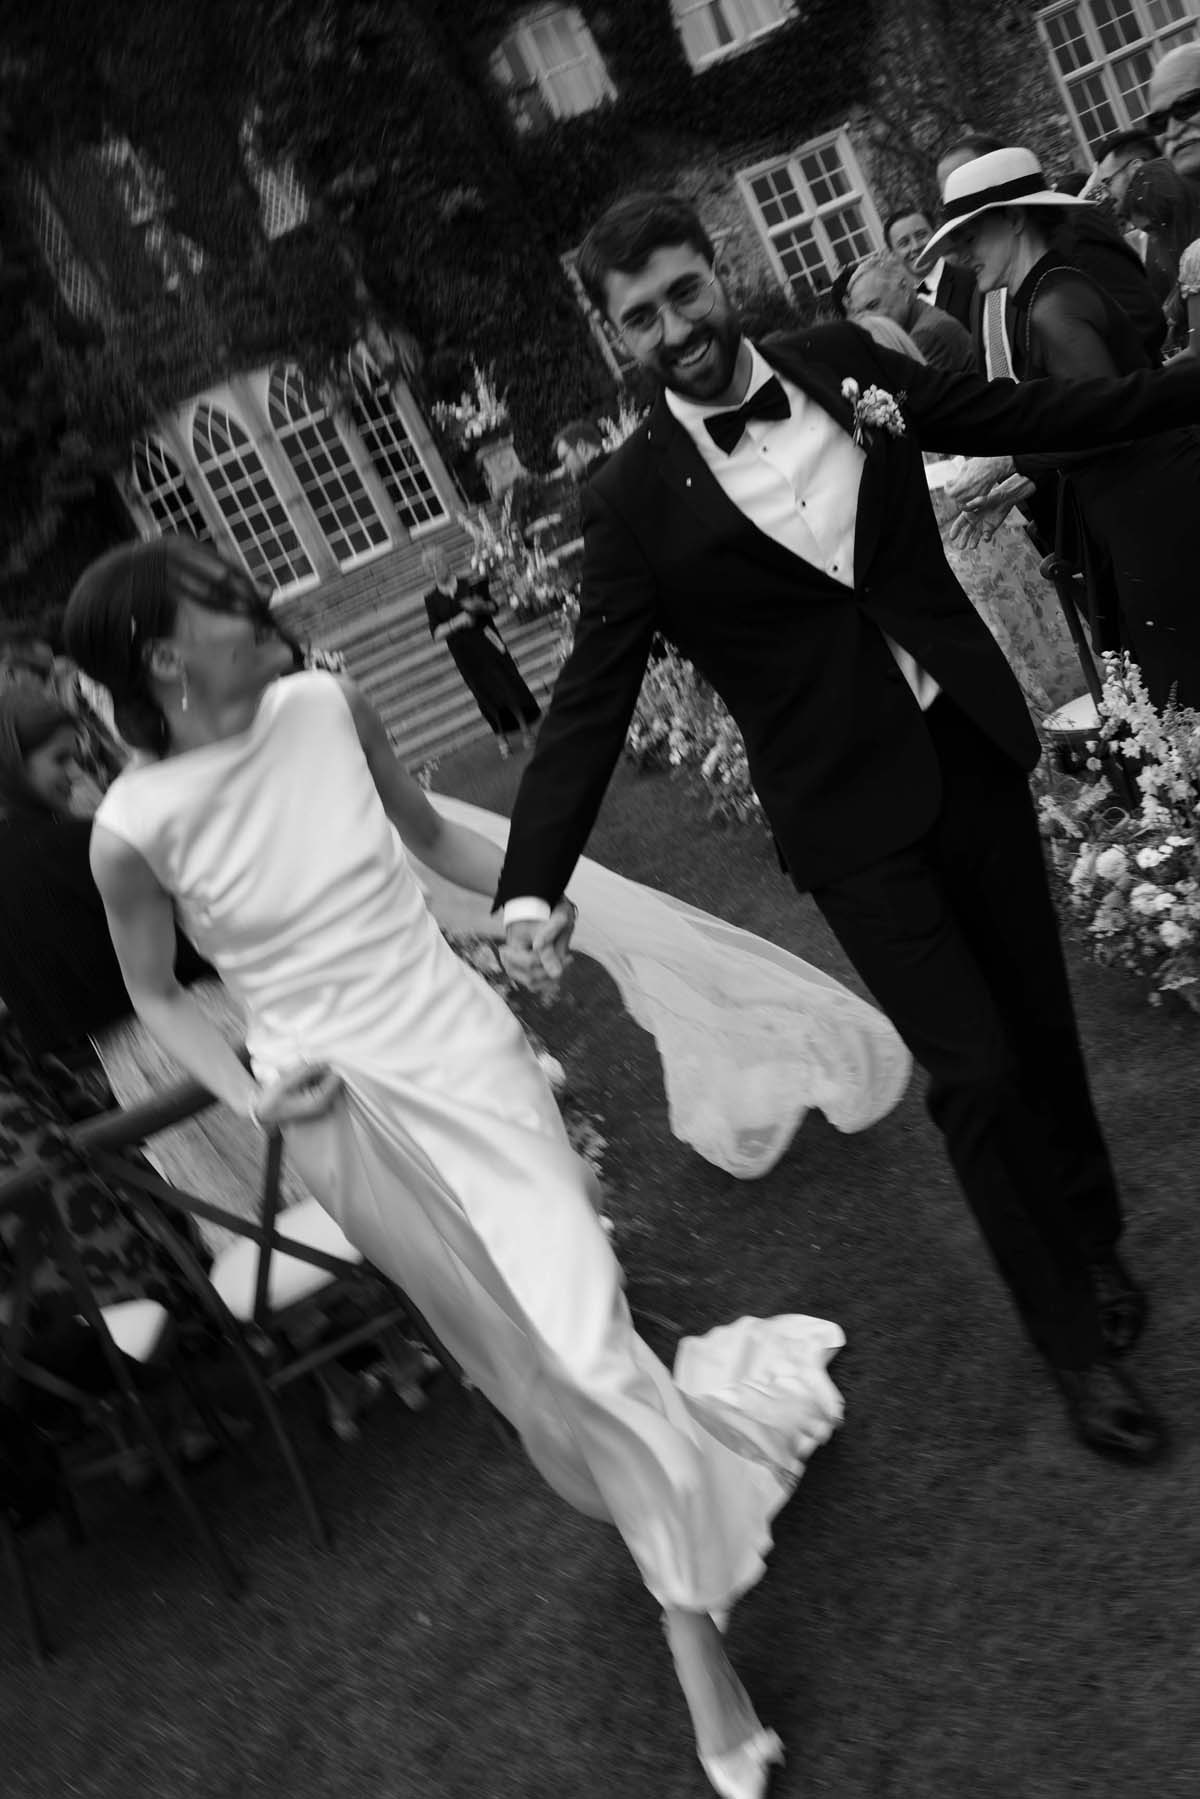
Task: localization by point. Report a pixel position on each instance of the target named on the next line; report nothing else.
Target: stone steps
(420, 695)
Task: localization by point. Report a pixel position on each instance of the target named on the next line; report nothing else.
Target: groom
(802, 573)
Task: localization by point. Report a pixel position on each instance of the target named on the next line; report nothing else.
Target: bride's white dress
(446, 1163)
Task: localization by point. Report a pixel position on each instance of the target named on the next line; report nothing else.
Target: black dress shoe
(1109, 1414)
(1123, 1304)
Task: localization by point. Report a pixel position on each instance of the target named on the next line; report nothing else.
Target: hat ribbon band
(994, 196)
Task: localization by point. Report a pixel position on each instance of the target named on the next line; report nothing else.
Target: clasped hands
(985, 492)
(535, 951)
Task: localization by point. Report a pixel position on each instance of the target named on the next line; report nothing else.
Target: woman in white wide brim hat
(1126, 516)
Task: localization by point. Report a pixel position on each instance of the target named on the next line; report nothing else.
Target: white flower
(1172, 934)
(1111, 863)
(850, 389)
(1151, 856)
(1144, 898)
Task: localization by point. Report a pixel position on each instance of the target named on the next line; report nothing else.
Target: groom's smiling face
(655, 310)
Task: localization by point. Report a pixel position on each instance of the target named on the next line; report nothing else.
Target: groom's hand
(535, 952)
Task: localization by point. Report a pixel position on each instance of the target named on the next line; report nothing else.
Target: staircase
(379, 625)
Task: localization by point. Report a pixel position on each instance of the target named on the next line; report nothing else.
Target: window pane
(823, 171)
(1068, 40)
(394, 455)
(803, 263)
(1166, 12)
(778, 197)
(1095, 111)
(245, 493)
(1117, 24)
(1132, 74)
(848, 235)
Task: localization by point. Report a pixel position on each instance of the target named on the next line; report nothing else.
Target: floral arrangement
(479, 412)
(679, 722)
(613, 432)
(521, 576)
(875, 410)
(1132, 873)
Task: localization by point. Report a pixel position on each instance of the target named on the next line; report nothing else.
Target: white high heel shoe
(745, 1772)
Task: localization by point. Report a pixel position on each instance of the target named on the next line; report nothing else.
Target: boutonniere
(876, 410)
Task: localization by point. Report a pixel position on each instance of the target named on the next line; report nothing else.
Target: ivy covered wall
(429, 211)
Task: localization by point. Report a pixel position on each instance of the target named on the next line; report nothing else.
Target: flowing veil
(750, 1036)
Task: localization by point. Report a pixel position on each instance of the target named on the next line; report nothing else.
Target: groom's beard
(702, 379)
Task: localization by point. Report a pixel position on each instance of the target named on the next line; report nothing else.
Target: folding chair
(120, 1333)
(266, 1290)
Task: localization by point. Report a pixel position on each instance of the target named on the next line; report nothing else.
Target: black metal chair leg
(230, 1576)
(231, 1334)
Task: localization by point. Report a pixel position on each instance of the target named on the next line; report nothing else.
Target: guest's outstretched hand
(535, 953)
(977, 477)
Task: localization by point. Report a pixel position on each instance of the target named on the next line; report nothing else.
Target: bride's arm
(459, 855)
(141, 922)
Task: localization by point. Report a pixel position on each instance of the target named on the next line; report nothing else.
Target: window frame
(184, 478)
(362, 354)
(520, 33)
(723, 51)
(217, 400)
(282, 433)
(1154, 40)
(860, 195)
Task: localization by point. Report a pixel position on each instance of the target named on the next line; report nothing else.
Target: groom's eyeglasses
(692, 297)
(1186, 107)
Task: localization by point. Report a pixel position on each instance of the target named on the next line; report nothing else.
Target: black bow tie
(768, 402)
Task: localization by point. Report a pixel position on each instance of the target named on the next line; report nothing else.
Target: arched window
(395, 456)
(331, 484)
(249, 501)
(162, 485)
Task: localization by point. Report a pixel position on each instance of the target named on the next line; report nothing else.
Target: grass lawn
(962, 1602)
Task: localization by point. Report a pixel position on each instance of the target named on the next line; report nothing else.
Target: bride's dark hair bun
(118, 608)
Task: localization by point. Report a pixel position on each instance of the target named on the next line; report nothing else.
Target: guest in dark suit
(804, 577)
(944, 285)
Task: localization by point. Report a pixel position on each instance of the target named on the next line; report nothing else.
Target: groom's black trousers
(957, 939)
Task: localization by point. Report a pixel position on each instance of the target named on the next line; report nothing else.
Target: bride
(272, 818)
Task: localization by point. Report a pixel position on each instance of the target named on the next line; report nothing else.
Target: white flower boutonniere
(875, 410)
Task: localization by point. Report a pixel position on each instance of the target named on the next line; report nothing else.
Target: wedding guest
(1119, 158)
(47, 902)
(1173, 96)
(1000, 575)
(1126, 513)
(906, 231)
(883, 283)
(579, 450)
(1095, 245)
(462, 615)
(1165, 207)
(772, 520)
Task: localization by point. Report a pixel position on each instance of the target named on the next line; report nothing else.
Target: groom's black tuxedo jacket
(838, 747)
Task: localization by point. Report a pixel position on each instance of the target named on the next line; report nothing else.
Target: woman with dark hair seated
(1126, 515)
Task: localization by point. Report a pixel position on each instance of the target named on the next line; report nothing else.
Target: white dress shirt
(929, 282)
(797, 479)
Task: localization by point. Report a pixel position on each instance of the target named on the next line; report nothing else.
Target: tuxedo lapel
(692, 481)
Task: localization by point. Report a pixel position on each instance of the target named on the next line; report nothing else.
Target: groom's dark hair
(624, 238)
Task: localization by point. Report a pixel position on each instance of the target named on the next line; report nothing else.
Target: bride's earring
(183, 690)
